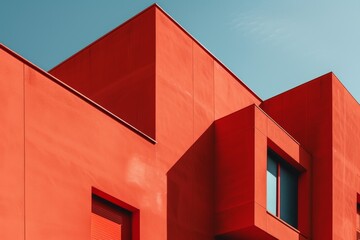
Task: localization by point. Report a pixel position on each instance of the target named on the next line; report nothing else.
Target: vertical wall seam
(155, 73)
(213, 79)
(215, 173)
(193, 86)
(24, 150)
(155, 87)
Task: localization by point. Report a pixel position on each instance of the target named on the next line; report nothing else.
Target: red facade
(145, 135)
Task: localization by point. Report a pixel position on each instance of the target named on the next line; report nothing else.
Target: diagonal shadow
(190, 192)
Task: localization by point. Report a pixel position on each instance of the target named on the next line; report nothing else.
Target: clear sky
(271, 46)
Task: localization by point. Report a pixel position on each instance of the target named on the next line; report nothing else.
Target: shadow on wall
(190, 192)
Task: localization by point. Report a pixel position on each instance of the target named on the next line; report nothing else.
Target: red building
(146, 135)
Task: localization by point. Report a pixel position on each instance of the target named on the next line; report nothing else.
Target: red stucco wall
(118, 71)
(325, 118)
(11, 147)
(154, 121)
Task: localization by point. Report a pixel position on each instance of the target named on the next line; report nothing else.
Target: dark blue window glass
(289, 195)
(278, 169)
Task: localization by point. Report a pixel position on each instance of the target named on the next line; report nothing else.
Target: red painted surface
(11, 147)
(110, 221)
(325, 118)
(189, 99)
(104, 229)
(205, 175)
(118, 72)
(241, 177)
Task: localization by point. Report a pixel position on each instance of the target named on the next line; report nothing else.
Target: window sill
(285, 223)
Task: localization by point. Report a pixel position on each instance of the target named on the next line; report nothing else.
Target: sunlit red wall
(140, 124)
(71, 146)
(12, 168)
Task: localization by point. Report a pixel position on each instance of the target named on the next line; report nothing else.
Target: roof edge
(156, 6)
(300, 85)
(334, 77)
(207, 51)
(331, 75)
(73, 91)
(105, 35)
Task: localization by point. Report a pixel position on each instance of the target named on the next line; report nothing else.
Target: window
(109, 221)
(282, 189)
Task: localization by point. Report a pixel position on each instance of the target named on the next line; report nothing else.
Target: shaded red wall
(346, 160)
(324, 118)
(118, 72)
(156, 77)
(305, 112)
(192, 90)
(72, 145)
(242, 142)
(235, 172)
(190, 192)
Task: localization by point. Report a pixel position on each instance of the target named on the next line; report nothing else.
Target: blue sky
(271, 45)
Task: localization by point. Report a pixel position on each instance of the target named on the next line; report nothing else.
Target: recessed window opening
(109, 221)
(282, 189)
